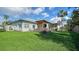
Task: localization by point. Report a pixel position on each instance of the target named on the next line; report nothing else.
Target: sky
(34, 13)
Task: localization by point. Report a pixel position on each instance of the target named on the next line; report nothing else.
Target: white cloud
(28, 11)
(16, 16)
(1, 18)
(21, 10)
(55, 19)
(45, 15)
(69, 12)
(66, 17)
(38, 10)
(16, 10)
(50, 8)
(58, 19)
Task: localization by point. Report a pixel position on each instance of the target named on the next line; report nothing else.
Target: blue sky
(35, 13)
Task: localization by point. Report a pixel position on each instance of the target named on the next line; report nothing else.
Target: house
(1, 27)
(43, 25)
(21, 25)
(25, 25)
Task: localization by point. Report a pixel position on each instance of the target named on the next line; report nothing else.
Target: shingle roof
(42, 21)
(23, 21)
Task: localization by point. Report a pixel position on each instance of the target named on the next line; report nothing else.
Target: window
(10, 28)
(33, 26)
(20, 25)
(45, 25)
(26, 25)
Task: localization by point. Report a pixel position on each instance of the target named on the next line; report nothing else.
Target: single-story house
(25, 25)
(21, 25)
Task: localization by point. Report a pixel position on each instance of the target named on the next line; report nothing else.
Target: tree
(75, 19)
(62, 13)
(69, 25)
(5, 21)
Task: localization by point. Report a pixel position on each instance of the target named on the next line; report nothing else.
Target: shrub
(2, 30)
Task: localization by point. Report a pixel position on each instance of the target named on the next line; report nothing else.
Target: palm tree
(5, 21)
(62, 13)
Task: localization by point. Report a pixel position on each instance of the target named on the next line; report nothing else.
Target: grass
(35, 41)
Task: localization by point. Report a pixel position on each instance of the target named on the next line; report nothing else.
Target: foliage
(62, 13)
(75, 19)
(2, 30)
(6, 17)
(5, 21)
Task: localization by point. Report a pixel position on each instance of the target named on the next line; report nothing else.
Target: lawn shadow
(75, 38)
(63, 38)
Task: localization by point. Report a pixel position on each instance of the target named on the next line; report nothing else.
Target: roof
(42, 21)
(23, 21)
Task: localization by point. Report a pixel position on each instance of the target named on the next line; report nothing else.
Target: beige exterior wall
(41, 26)
(28, 26)
(24, 27)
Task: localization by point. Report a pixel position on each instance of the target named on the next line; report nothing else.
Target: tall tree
(5, 21)
(62, 13)
(5, 18)
(75, 19)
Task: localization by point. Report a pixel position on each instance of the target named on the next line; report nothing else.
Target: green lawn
(35, 41)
